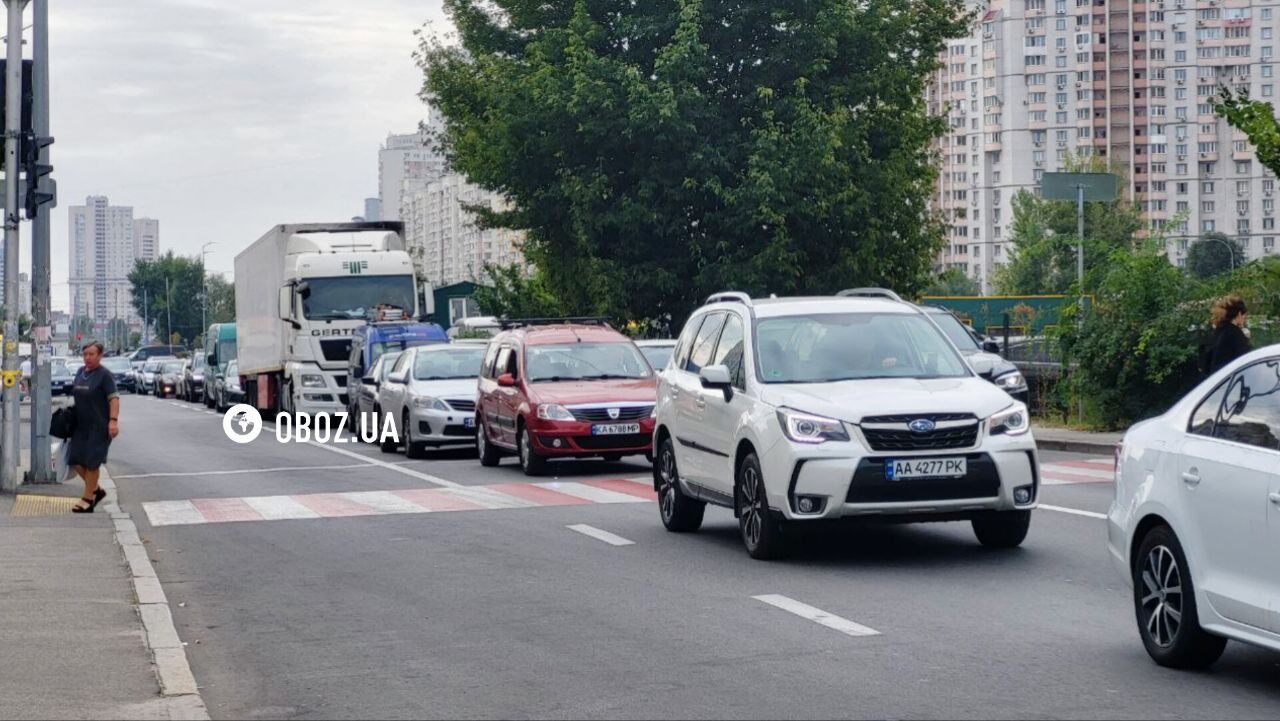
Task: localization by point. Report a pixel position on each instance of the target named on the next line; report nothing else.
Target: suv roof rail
(870, 293)
(730, 296)
(509, 323)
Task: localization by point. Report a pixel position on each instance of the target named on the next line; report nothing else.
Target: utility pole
(204, 289)
(41, 465)
(168, 313)
(12, 169)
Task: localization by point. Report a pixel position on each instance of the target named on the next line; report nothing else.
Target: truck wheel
(1002, 529)
(530, 462)
(412, 448)
(489, 455)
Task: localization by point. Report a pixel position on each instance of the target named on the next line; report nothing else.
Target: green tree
(509, 293)
(1257, 120)
(1214, 254)
(952, 282)
(221, 304)
(659, 151)
(135, 339)
(1045, 242)
(178, 301)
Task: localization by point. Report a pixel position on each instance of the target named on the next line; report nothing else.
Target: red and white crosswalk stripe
(1089, 470)
(416, 500)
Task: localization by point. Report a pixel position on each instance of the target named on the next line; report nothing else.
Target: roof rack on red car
(510, 323)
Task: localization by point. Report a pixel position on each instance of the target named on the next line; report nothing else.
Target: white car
(794, 410)
(430, 395)
(1195, 525)
(657, 351)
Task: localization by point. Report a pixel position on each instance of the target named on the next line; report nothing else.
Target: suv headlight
(1012, 382)
(554, 412)
(806, 428)
(1011, 422)
(312, 380)
(427, 403)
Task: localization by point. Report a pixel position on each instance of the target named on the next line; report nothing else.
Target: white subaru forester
(792, 410)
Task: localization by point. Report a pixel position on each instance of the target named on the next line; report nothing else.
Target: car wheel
(1164, 600)
(412, 449)
(1002, 529)
(387, 443)
(680, 513)
(221, 403)
(530, 462)
(489, 455)
(761, 530)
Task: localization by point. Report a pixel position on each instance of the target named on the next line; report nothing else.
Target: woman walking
(1230, 341)
(97, 413)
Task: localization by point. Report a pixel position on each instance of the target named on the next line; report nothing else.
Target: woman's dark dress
(93, 391)
(1229, 343)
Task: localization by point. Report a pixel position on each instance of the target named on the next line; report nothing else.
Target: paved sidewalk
(1073, 441)
(74, 644)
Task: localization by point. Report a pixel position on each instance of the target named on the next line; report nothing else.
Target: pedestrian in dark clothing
(97, 413)
(1230, 341)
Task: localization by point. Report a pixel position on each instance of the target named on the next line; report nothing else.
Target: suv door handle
(1275, 498)
(1191, 478)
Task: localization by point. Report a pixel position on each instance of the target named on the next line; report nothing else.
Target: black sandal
(98, 495)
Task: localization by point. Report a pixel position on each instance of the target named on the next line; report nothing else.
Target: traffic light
(35, 170)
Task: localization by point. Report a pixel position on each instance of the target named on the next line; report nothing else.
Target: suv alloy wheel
(1164, 600)
(680, 513)
(761, 532)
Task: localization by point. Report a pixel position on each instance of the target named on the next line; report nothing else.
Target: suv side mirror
(991, 345)
(717, 378)
(398, 378)
(506, 380)
(369, 381)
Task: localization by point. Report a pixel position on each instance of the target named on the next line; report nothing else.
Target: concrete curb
(177, 684)
(1090, 447)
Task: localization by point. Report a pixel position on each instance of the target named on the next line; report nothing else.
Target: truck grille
(462, 406)
(336, 350)
(870, 485)
(601, 415)
(943, 438)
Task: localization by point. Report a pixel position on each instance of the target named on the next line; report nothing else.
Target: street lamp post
(204, 288)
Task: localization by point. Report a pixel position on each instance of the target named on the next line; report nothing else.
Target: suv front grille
(935, 417)
(943, 438)
(601, 415)
(870, 485)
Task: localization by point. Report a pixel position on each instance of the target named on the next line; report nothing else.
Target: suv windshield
(823, 348)
(584, 362)
(956, 331)
(452, 364)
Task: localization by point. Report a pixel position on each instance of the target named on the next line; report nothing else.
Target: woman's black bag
(62, 424)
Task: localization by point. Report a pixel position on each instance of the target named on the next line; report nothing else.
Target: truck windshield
(226, 351)
(353, 297)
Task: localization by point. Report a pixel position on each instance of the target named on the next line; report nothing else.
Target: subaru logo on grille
(614, 413)
(921, 425)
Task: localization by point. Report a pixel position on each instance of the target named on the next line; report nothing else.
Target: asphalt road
(509, 613)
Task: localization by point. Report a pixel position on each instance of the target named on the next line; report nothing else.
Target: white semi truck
(301, 291)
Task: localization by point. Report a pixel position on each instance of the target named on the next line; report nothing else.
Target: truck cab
(219, 350)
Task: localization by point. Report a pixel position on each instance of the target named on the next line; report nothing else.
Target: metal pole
(41, 401)
(168, 313)
(12, 130)
(1080, 273)
(146, 323)
(204, 289)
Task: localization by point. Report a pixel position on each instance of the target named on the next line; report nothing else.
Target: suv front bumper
(850, 482)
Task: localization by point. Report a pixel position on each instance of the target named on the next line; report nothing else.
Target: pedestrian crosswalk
(502, 496)
(418, 500)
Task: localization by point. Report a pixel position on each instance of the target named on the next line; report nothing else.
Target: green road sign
(1098, 187)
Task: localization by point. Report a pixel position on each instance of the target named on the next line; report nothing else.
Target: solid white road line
(817, 615)
(1074, 512)
(596, 533)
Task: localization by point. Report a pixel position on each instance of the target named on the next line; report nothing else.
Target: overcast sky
(222, 118)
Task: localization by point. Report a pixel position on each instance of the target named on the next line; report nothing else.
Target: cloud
(224, 117)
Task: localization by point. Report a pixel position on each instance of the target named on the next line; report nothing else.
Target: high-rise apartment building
(406, 164)
(104, 243)
(1039, 81)
(444, 237)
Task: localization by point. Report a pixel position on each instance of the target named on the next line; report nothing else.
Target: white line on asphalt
(241, 471)
(600, 535)
(1052, 468)
(817, 615)
(1074, 512)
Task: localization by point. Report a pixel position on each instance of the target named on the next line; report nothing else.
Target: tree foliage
(1045, 239)
(178, 302)
(1214, 254)
(509, 293)
(951, 282)
(659, 151)
(1256, 119)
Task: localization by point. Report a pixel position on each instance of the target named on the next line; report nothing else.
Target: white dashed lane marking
(599, 535)
(817, 615)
